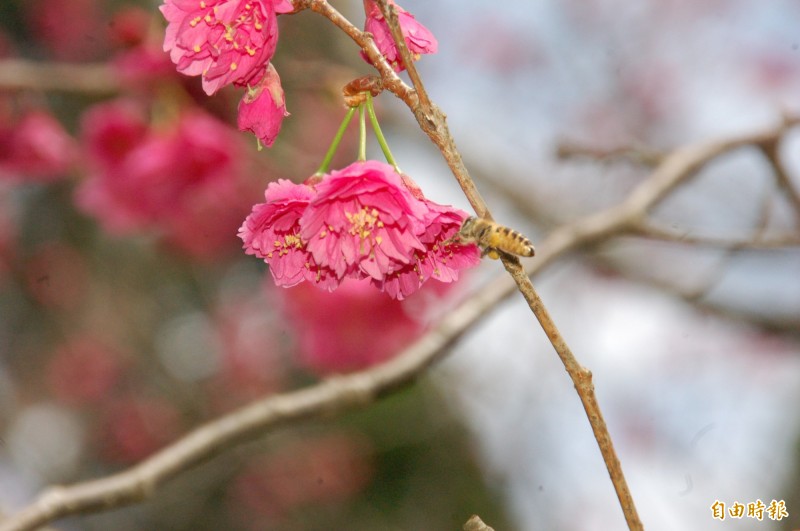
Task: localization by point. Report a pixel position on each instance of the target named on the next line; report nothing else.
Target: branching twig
(771, 150)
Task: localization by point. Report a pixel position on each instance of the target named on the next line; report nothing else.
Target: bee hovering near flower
(494, 239)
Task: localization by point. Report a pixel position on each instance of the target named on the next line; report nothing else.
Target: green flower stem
(379, 134)
(326, 162)
(362, 134)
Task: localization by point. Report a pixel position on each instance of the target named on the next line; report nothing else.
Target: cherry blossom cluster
(365, 221)
(231, 42)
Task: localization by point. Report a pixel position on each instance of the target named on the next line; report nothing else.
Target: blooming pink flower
(224, 41)
(263, 108)
(36, 148)
(363, 221)
(441, 259)
(419, 39)
(272, 232)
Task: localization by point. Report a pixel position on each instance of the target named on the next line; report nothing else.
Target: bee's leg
(496, 254)
(491, 252)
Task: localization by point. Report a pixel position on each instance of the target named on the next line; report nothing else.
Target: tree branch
(360, 389)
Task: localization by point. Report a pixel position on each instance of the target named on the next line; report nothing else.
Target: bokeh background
(129, 314)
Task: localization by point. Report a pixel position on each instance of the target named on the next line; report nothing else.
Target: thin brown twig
(771, 150)
(433, 122)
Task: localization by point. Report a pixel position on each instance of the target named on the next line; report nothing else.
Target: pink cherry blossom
(419, 39)
(263, 108)
(363, 222)
(272, 232)
(224, 41)
(442, 258)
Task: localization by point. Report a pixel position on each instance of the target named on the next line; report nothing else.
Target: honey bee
(494, 239)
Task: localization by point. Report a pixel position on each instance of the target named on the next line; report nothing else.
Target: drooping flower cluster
(419, 39)
(229, 42)
(363, 222)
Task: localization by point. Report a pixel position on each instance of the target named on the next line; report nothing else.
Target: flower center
(285, 244)
(364, 222)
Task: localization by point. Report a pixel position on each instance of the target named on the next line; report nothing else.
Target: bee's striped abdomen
(494, 239)
(510, 241)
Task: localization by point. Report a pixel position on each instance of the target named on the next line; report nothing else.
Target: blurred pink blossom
(142, 65)
(350, 329)
(68, 30)
(185, 179)
(419, 39)
(224, 41)
(110, 131)
(129, 26)
(35, 148)
(263, 108)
